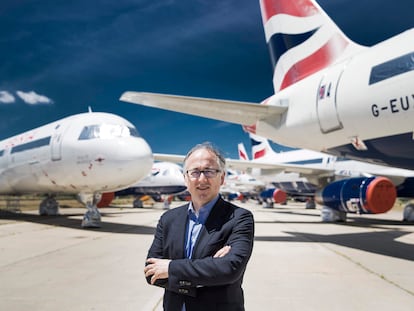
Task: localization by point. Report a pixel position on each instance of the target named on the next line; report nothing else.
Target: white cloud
(6, 97)
(33, 98)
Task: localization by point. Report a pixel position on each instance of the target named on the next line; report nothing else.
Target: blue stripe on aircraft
(151, 190)
(254, 142)
(311, 161)
(279, 44)
(276, 147)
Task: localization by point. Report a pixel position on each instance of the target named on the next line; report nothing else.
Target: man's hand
(222, 251)
(157, 269)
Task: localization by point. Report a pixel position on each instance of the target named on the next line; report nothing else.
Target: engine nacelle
(235, 196)
(278, 195)
(362, 195)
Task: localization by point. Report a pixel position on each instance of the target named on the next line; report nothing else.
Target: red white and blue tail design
(242, 152)
(260, 147)
(302, 39)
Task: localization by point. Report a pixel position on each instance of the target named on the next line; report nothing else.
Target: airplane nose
(134, 148)
(137, 158)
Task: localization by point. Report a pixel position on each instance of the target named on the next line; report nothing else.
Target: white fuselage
(84, 153)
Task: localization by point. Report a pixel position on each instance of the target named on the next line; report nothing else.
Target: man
(200, 250)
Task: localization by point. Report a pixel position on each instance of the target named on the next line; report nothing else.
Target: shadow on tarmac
(69, 221)
(382, 243)
(352, 220)
(379, 242)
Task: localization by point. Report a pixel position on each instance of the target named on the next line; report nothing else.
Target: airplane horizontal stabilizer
(242, 113)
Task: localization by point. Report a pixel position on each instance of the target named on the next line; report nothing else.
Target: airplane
(239, 184)
(236, 182)
(330, 94)
(341, 186)
(279, 184)
(165, 178)
(327, 182)
(90, 155)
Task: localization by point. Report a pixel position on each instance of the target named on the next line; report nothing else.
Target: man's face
(203, 189)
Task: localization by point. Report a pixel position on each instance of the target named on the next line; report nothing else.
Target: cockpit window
(133, 131)
(107, 131)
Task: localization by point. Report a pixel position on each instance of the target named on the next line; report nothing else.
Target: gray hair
(221, 161)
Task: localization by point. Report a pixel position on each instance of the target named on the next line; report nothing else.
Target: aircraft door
(326, 108)
(56, 142)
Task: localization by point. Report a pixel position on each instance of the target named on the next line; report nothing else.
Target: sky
(60, 57)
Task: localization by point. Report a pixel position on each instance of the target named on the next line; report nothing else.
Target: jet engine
(279, 196)
(362, 195)
(236, 196)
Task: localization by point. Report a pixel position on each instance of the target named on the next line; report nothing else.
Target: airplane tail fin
(302, 39)
(242, 152)
(260, 147)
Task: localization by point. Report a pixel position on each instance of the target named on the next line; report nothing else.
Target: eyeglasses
(208, 173)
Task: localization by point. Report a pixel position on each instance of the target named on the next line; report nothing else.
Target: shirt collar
(203, 212)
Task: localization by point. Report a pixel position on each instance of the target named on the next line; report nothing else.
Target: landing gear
(137, 203)
(49, 207)
(310, 204)
(92, 217)
(408, 214)
(330, 215)
(267, 203)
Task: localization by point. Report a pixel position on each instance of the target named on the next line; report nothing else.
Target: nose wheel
(49, 207)
(408, 214)
(92, 217)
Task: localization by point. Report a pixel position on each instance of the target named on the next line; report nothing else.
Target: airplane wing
(242, 113)
(315, 174)
(274, 168)
(246, 165)
(396, 175)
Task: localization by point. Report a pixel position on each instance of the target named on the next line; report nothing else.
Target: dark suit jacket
(204, 282)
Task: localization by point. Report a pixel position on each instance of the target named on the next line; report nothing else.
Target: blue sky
(59, 57)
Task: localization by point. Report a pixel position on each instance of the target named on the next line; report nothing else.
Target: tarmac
(298, 262)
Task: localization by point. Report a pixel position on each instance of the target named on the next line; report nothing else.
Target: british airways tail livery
(90, 154)
(331, 94)
(262, 151)
(242, 152)
(302, 40)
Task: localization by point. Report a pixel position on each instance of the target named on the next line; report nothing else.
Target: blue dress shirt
(195, 224)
